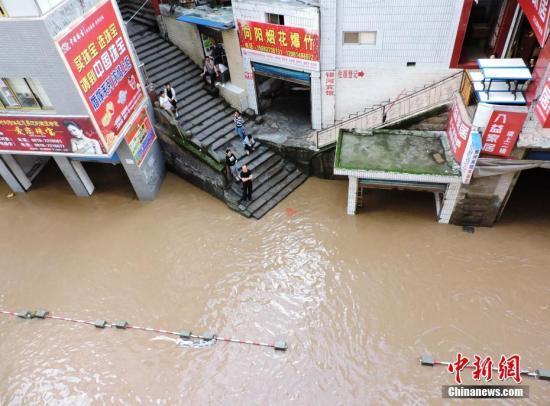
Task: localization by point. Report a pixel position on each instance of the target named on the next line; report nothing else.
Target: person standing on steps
(239, 126)
(231, 161)
(246, 179)
(171, 93)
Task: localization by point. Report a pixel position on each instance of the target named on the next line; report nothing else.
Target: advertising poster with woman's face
(42, 134)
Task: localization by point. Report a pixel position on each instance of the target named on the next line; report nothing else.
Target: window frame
(39, 103)
(358, 34)
(279, 17)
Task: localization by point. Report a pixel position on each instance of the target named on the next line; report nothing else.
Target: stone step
(192, 110)
(156, 50)
(271, 170)
(288, 189)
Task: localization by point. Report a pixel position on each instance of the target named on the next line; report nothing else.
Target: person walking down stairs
(246, 179)
(239, 126)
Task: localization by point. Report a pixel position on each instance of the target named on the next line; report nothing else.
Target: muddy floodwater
(357, 298)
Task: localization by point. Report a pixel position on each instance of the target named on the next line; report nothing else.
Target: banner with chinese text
(100, 62)
(141, 136)
(292, 46)
(458, 130)
(71, 136)
(537, 12)
(502, 131)
(542, 108)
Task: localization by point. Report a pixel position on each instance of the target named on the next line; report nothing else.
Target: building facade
(70, 90)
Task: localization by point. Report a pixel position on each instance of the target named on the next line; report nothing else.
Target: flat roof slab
(398, 151)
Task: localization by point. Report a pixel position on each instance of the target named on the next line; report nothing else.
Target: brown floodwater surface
(357, 298)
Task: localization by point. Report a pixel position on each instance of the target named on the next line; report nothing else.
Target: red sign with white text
(502, 132)
(542, 108)
(282, 40)
(537, 12)
(458, 131)
(100, 62)
(507, 368)
(43, 134)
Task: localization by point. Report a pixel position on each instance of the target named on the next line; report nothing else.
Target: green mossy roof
(401, 151)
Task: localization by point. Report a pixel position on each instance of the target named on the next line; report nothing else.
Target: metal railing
(429, 96)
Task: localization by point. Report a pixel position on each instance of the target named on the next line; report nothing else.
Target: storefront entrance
(283, 94)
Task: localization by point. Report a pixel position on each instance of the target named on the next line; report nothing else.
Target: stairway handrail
(136, 13)
(383, 107)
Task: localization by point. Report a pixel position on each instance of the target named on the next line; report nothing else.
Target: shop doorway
(284, 95)
(487, 23)
(524, 44)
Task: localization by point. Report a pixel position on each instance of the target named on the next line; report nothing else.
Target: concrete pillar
(76, 176)
(250, 86)
(147, 178)
(449, 202)
(315, 100)
(353, 187)
(10, 178)
(16, 172)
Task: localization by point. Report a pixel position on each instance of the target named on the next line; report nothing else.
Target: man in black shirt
(246, 179)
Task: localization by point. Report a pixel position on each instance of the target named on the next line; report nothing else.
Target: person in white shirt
(165, 102)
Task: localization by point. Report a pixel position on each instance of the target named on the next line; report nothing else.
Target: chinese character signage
(330, 83)
(471, 154)
(542, 108)
(458, 130)
(286, 45)
(537, 12)
(141, 136)
(507, 368)
(350, 74)
(70, 136)
(502, 131)
(99, 59)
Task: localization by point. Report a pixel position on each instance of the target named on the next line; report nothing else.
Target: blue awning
(220, 25)
(282, 73)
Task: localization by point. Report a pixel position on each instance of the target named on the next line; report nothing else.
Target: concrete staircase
(144, 19)
(210, 120)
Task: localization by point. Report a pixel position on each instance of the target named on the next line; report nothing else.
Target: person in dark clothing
(231, 161)
(246, 179)
(171, 93)
(249, 144)
(209, 71)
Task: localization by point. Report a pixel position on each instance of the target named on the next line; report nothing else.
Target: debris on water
(10, 195)
(195, 343)
(290, 211)
(468, 229)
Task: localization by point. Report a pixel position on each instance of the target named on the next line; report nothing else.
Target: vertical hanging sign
(458, 130)
(99, 59)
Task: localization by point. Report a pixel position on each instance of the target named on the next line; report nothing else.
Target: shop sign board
(542, 108)
(281, 44)
(471, 154)
(458, 130)
(140, 136)
(537, 12)
(50, 135)
(98, 57)
(502, 132)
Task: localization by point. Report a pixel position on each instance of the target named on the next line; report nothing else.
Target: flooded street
(357, 298)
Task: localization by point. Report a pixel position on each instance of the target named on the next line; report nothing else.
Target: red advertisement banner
(502, 132)
(458, 131)
(542, 108)
(537, 12)
(100, 62)
(276, 39)
(140, 137)
(42, 134)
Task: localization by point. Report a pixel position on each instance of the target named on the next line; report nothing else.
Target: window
(278, 19)
(362, 38)
(23, 94)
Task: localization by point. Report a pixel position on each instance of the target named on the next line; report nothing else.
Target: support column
(147, 178)
(316, 111)
(76, 176)
(353, 186)
(10, 178)
(449, 202)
